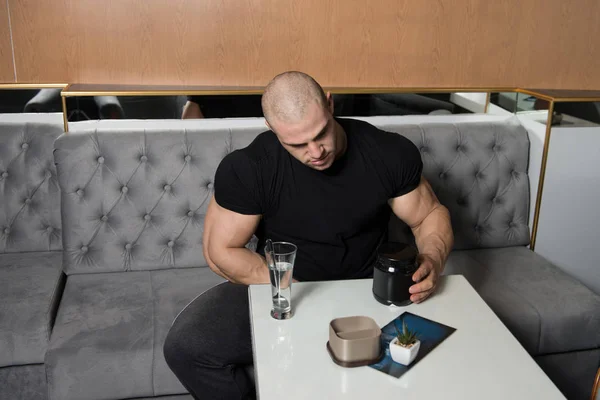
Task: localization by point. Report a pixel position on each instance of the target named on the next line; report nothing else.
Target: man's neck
(342, 138)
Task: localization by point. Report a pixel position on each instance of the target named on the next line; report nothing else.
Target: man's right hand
(226, 234)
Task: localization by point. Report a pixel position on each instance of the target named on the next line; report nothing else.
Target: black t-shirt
(336, 217)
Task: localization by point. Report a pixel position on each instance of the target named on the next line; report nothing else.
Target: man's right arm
(226, 234)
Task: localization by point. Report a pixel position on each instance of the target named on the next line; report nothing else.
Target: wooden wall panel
(442, 43)
(7, 71)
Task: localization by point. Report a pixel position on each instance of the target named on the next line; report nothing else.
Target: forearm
(239, 265)
(434, 235)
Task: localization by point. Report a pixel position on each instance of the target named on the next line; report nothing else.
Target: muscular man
(327, 185)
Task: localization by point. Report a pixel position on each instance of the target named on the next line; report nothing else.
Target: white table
(481, 360)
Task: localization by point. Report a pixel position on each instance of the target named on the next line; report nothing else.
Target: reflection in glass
(30, 100)
(124, 107)
(577, 114)
(505, 100)
(249, 105)
(394, 104)
(522, 104)
(223, 106)
(473, 101)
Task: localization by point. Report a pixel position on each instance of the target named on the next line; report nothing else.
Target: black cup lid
(397, 253)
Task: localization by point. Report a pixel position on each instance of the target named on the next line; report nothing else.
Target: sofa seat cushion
(30, 287)
(23, 382)
(109, 333)
(545, 309)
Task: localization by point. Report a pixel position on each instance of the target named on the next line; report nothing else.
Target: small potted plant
(405, 346)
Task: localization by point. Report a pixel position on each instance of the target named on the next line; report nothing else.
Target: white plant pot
(403, 355)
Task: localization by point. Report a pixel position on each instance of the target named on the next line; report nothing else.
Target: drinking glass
(281, 268)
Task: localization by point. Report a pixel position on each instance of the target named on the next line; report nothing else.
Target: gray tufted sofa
(134, 194)
(31, 277)
(479, 171)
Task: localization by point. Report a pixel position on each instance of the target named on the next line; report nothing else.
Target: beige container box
(354, 341)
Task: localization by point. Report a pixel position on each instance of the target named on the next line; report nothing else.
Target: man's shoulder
(259, 151)
(374, 136)
(357, 125)
(263, 146)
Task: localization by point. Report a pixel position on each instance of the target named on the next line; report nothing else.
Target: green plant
(406, 337)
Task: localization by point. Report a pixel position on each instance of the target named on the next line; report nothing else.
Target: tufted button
(84, 249)
(143, 158)
(190, 213)
(496, 147)
(27, 201)
(4, 174)
(25, 146)
(188, 158)
(459, 148)
(49, 229)
(104, 218)
(478, 175)
(461, 201)
(210, 185)
(48, 174)
(128, 246)
(477, 228)
(514, 174)
(124, 189)
(79, 192)
(147, 217)
(167, 188)
(100, 160)
(442, 175)
(171, 243)
(6, 231)
(424, 149)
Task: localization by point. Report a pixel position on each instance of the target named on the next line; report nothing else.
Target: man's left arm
(430, 223)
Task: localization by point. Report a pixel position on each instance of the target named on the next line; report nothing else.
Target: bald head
(288, 95)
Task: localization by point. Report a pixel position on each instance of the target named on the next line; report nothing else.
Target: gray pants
(209, 345)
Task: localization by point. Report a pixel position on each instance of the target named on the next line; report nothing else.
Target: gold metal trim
(534, 94)
(557, 99)
(487, 102)
(216, 92)
(576, 99)
(359, 90)
(8, 86)
(258, 90)
(538, 200)
(65, 93)
(65, 119)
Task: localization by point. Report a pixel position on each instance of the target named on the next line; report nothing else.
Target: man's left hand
(426, 277)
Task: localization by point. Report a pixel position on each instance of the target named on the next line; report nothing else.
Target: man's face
(314, 140)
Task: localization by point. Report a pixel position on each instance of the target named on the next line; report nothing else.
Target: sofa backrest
(478, 170)
(29, 192)
(135, 198)
(134, 193)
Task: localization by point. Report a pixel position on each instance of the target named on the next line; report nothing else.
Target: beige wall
(395, 43)
(6, 59)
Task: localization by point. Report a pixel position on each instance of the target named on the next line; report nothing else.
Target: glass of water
(281, 267)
